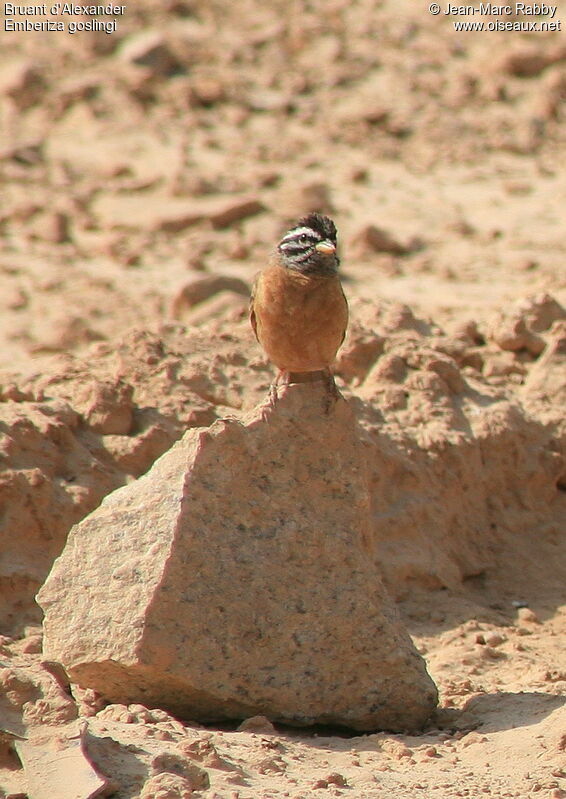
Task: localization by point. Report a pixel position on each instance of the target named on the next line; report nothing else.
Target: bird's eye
(303, 239)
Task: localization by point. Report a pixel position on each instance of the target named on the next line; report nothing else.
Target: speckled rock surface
(236, 578)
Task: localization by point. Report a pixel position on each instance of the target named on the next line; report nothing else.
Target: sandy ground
(177, 148)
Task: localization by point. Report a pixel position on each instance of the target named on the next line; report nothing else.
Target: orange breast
(300, 319)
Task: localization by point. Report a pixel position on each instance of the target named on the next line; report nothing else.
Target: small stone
(360, 351)
(53, 226)
(361, 107)
(332, 779)
(527, 616)
(30, 154)
(235, 211)
(22, 81)
(375, 239)
(548, 375)
(14, 298)
(468, 331)
(202, 288)
(540, 311)
(171, 786)
(206, 91)
(150, 49)
(32, 645)
(107, 406)
(258, 724)
(525, 63)
(179, 221)
(511, 333)
(488, 653)
(501, 365)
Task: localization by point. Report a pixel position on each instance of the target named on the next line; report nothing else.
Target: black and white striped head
(310, 246)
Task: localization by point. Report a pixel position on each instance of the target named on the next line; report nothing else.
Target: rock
(257, 724)
(511, 334)
(502, 364)
(361, 106)
(540, 311)
(371, 239)
(22, 81)
(28, 154)
(224, 306)
(187, 591)
(75, 90)
(169, 765)
(230, 211)
(57, 764)
(525, 62)
(389, 318)
(107, 406)
(468, 332)
(332, 779)
(30, 696)
(519, 327)
(201, 288)
(161, 213)
(14, 298)
(155, 212)
(64, 330)
(359, 352)
(49, 481)
(53, 226)
(173, 222)
(206, 91)
(75, 432)
(167, 786)
(547, 377)
(150, 49)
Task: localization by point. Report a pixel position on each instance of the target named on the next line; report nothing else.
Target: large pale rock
(236, 578)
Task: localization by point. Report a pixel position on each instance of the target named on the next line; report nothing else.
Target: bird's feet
(272, 397)
(331, 397)
(332, 393)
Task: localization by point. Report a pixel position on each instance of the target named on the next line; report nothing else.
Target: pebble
(375, 239)
(149, 49)
(525, 63)
(22, 81)
(527, 615)
(235, 211)
(494, 639)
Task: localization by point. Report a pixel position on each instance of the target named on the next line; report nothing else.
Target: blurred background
(137, 163)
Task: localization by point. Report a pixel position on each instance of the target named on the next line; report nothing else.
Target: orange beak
(325, 247)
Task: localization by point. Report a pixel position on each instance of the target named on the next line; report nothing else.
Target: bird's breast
(301, 319)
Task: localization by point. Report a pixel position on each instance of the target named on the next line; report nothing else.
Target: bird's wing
(347, 310)
(253, 320)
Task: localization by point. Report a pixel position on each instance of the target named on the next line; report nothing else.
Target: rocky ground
(145, 176)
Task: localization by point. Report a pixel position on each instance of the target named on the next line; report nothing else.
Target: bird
(298, 310)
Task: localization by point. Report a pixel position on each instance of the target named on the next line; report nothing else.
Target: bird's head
(310, 246)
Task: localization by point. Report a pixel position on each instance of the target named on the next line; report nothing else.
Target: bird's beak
(325, 247)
